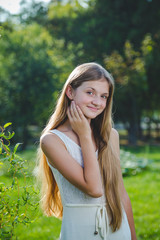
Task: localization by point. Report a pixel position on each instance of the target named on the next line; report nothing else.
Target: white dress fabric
(84, 217)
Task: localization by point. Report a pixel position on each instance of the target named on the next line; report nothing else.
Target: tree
(33, 12)
(151, 54)
(27, 77)
(33, 68)
(131, 88)
(103, 26)
(77, 34)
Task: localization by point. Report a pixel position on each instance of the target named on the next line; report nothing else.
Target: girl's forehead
(102, 83)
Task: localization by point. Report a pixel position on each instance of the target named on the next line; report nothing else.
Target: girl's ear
(69, 92)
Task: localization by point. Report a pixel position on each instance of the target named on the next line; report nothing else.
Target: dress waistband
(101, 218)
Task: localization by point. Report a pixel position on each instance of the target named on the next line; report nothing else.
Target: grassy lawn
(143, 190)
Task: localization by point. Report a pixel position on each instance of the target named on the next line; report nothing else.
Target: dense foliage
(41, 45)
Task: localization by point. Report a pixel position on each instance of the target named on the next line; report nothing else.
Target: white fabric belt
(101, 219)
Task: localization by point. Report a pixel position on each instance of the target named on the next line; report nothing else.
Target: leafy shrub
(15, 198)
(131, 164)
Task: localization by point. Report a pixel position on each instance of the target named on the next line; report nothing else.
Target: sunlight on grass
(143, 190)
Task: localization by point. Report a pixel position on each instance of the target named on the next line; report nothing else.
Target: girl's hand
(78, 121)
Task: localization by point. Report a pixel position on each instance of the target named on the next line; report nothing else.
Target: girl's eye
(105, 97)
(90, 93)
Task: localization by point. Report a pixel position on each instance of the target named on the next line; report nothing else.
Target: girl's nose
(96, 100)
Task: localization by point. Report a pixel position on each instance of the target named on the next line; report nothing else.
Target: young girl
(80, 163)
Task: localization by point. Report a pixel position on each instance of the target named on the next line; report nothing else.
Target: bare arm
(87, 179)
(81, 126)
(124, 196)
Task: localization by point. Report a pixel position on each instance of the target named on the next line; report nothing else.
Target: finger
(80, 113)
(71, 113)
(74, 110)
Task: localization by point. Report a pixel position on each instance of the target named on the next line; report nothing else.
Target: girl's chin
(90, 116)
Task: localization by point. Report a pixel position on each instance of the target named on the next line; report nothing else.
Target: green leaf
(7, 124)
(7, 148)
(7, 137)
(1, 134)
(15, 148)
(12, 134)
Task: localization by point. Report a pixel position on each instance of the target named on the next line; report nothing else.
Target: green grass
(143, 190)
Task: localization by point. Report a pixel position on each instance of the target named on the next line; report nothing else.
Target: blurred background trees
(41, 45)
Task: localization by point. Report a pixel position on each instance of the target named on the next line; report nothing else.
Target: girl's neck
(67, 126)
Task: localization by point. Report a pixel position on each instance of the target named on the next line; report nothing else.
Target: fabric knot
(102, 222)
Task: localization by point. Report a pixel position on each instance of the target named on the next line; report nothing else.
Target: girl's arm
(87, 179)
(125, 198)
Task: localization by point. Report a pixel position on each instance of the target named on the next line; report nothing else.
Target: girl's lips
(93, 108)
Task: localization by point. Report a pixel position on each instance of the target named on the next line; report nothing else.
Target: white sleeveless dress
(84, 217)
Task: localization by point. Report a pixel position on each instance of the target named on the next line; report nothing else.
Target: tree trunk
(140, 132)
(132, 133)
(149, 129)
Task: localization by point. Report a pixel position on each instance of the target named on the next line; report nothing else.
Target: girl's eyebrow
(106, 93)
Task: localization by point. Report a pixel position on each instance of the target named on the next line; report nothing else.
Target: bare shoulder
(45, 138)
(48, 140)
(53, 148)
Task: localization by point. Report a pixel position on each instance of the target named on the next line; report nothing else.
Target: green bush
(131, 164)
(15, 198)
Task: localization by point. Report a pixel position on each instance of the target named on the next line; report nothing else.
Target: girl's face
(91, 97)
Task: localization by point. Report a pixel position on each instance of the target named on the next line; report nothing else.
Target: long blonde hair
(108, 161)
